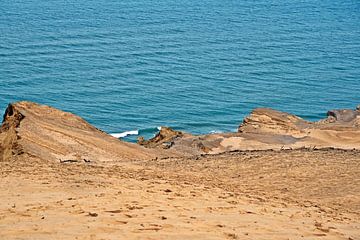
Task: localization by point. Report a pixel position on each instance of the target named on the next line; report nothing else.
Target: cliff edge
(50, 134)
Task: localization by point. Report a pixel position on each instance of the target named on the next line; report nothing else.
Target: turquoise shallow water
(196, 66)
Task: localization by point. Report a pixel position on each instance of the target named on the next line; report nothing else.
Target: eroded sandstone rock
(343, 115)
(50, 134)
(164, 138)
(266, 120)
(9, 139)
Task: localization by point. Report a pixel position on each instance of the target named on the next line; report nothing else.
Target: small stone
(93, 214)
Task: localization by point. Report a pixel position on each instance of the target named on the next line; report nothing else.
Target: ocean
(196, 66)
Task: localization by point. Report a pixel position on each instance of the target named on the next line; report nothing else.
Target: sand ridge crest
(51, 134)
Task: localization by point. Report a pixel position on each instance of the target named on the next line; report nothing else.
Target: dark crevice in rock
(9, 145)
(12, 118)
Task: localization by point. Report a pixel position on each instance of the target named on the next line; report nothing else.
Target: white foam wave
(124, 134)
(159, 128)
(215, 131)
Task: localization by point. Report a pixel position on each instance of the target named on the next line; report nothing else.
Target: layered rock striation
(47, 133)
(267, 128)
(265, 120)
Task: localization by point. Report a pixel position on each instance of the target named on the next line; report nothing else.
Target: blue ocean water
(198, 66)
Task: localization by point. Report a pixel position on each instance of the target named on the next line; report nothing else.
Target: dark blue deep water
(198, 66)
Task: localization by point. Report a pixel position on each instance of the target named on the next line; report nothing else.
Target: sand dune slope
(51, 134)
(258, 195)
(62, 178)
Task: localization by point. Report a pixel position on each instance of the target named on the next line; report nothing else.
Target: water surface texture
(198, 66)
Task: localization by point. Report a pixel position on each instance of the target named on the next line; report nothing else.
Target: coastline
(63, 178)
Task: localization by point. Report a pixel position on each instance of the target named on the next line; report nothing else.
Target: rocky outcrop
(266, 129)
(263, 120)
(9, 139)
(266, 120)
(344, 117)
(11, 119)
(50, 134)
(164, 138)
(341, 129)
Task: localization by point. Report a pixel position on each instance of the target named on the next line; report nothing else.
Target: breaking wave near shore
(133, 134)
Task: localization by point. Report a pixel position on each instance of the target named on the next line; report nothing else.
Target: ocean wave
(146, 132)
(149, 132)
(125, 134)
(215, 132)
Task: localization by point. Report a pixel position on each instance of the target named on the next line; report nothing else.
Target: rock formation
(301, 194)
(51, 134)
(344, 117)
(267, 129)
(263, 120)
(164, 138)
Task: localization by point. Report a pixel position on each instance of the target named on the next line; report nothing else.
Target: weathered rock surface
(164, 138)
(51, 134)
(266, 129)
(265, 120)
(344, 116)
(301, 194)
